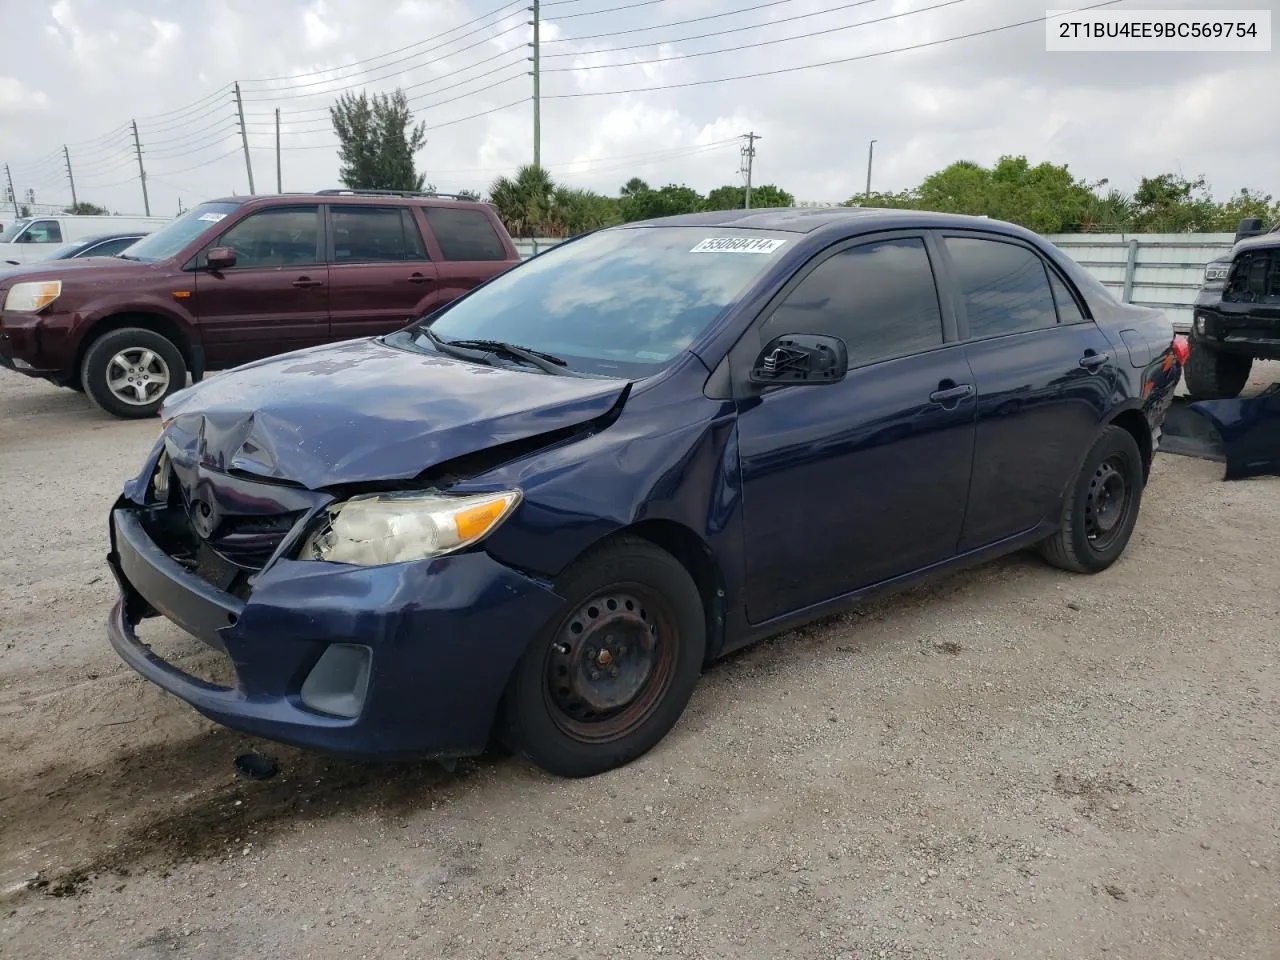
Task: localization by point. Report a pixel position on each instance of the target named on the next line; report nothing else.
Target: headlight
(33, 296)
(398, 527)
(1216, 272)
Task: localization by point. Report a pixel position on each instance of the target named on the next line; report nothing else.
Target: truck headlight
(32, 296)
(398, 527)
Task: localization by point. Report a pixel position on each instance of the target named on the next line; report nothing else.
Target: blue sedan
(536, 514)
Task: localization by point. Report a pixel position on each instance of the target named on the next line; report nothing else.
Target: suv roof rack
(346, 191)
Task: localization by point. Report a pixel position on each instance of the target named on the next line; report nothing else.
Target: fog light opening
(339, 681)
(1200, 325)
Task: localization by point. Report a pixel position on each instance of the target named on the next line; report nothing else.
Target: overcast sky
(77, 71)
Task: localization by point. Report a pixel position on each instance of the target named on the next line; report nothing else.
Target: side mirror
(801, 358)
(221, 258)
(1249, 227)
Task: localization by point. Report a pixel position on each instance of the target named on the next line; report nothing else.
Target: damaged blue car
(535, 515)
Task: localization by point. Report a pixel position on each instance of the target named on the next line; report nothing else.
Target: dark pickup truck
(241, 279)
(1237, 315)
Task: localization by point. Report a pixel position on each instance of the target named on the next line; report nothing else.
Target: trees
(734, 197)
(670, 200)
(83, 209)
(377, 141)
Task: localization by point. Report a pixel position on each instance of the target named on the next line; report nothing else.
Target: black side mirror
(1249, 227)
(801, 358)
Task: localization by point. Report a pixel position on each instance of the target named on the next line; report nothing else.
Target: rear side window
(1005, 287)
(879, 298)
(374, 235)
(1068, 309)
(464, 234)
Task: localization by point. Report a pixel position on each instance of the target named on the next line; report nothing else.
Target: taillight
(1182, 347)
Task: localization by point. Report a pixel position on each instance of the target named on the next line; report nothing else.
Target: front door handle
(307, 282)
(1092, 360)
(416, 277)
(951, 394)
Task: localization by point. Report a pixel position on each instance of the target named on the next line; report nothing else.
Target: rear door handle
(952, 393)
(1091, 360)
(416, 277)
(307, 282)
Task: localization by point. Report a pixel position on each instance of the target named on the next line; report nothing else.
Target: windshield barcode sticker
(737, 245)
(211, 217)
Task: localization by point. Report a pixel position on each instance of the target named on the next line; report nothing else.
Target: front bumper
(20, 347)
(444, 636)
(1252, 333)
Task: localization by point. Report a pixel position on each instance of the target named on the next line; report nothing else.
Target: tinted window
(44, 231)
(415, 249)
(880, 298)
(1005, 288)
(275, 238)
(464, 234)
(372, 235)
(1068, 309)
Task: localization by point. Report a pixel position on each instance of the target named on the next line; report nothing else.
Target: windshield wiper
(546, 362)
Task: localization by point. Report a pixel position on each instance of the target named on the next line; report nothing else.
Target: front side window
(279, 237)
(43, 231)
(464, 234)
(1004, 286)
(374, 235)
(879, 298)
(621, 302)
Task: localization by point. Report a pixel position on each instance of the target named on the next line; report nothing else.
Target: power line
(516, 7)
(436, 126)
(826, 63)
(596, 13)
(665, 26)
(761, 43)
(715, 33)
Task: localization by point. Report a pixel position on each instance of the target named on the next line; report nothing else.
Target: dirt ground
(1010, 763)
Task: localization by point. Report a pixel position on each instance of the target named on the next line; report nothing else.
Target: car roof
(362, 197)
(111, 236)
(810, 219)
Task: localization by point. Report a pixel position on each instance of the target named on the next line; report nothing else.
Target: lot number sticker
(737, 245)
(211, 217)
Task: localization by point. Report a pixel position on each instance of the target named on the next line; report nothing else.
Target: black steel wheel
(1102, 507)
(610, 674)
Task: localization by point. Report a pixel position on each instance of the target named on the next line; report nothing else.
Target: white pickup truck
(27, 239)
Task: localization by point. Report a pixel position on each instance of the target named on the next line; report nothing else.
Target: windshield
(174, 236)
(12, 230)
(619, 302)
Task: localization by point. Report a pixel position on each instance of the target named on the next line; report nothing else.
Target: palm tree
(526, 204)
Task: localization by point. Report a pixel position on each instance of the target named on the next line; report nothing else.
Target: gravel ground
(1013, 762)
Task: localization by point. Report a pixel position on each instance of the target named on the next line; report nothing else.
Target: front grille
(249, 542)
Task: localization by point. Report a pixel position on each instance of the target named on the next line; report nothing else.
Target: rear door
(470, 250)
(1045, 376)
(276, 297)
(380, 274)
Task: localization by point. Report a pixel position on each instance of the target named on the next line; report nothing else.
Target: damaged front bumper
(399, 661)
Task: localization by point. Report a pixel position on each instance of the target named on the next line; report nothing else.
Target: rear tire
(1213, 375)
(129, 372)
(612, 671)
(1101, 508)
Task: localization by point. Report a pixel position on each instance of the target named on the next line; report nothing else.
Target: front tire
(129, 372)
(1102, 507)
(1212, 375)
(610, 674)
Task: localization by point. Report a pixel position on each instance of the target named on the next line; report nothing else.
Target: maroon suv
(240, 279)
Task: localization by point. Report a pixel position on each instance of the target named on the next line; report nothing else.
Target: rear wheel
(1102, 507)
(1212, 375)
(611, 673)
(129, 372)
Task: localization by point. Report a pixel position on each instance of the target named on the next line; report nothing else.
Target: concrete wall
(1161, 270)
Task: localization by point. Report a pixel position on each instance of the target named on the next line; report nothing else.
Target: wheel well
(147, 321)
(696, 557)
(1134, 422)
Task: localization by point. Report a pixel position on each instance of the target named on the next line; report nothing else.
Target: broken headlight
(399, 527)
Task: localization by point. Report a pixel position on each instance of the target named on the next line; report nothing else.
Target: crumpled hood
(361, 411)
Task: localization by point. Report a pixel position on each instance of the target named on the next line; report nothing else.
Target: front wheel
(611, 673)
(1101, 508)
(129, 373)
(1212, 375)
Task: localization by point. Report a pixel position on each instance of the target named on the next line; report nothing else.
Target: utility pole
(871, 148)
(748, 159)
(70, 179)
(279, 179)
(536, 23)
(13, 196)
(142, 173)
(244, 139)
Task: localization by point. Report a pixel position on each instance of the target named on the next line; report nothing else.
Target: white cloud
(93, 65)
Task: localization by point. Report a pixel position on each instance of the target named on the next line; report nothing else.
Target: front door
(850, 484)
(1045, 376)
(379, 271)
(276, 297)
